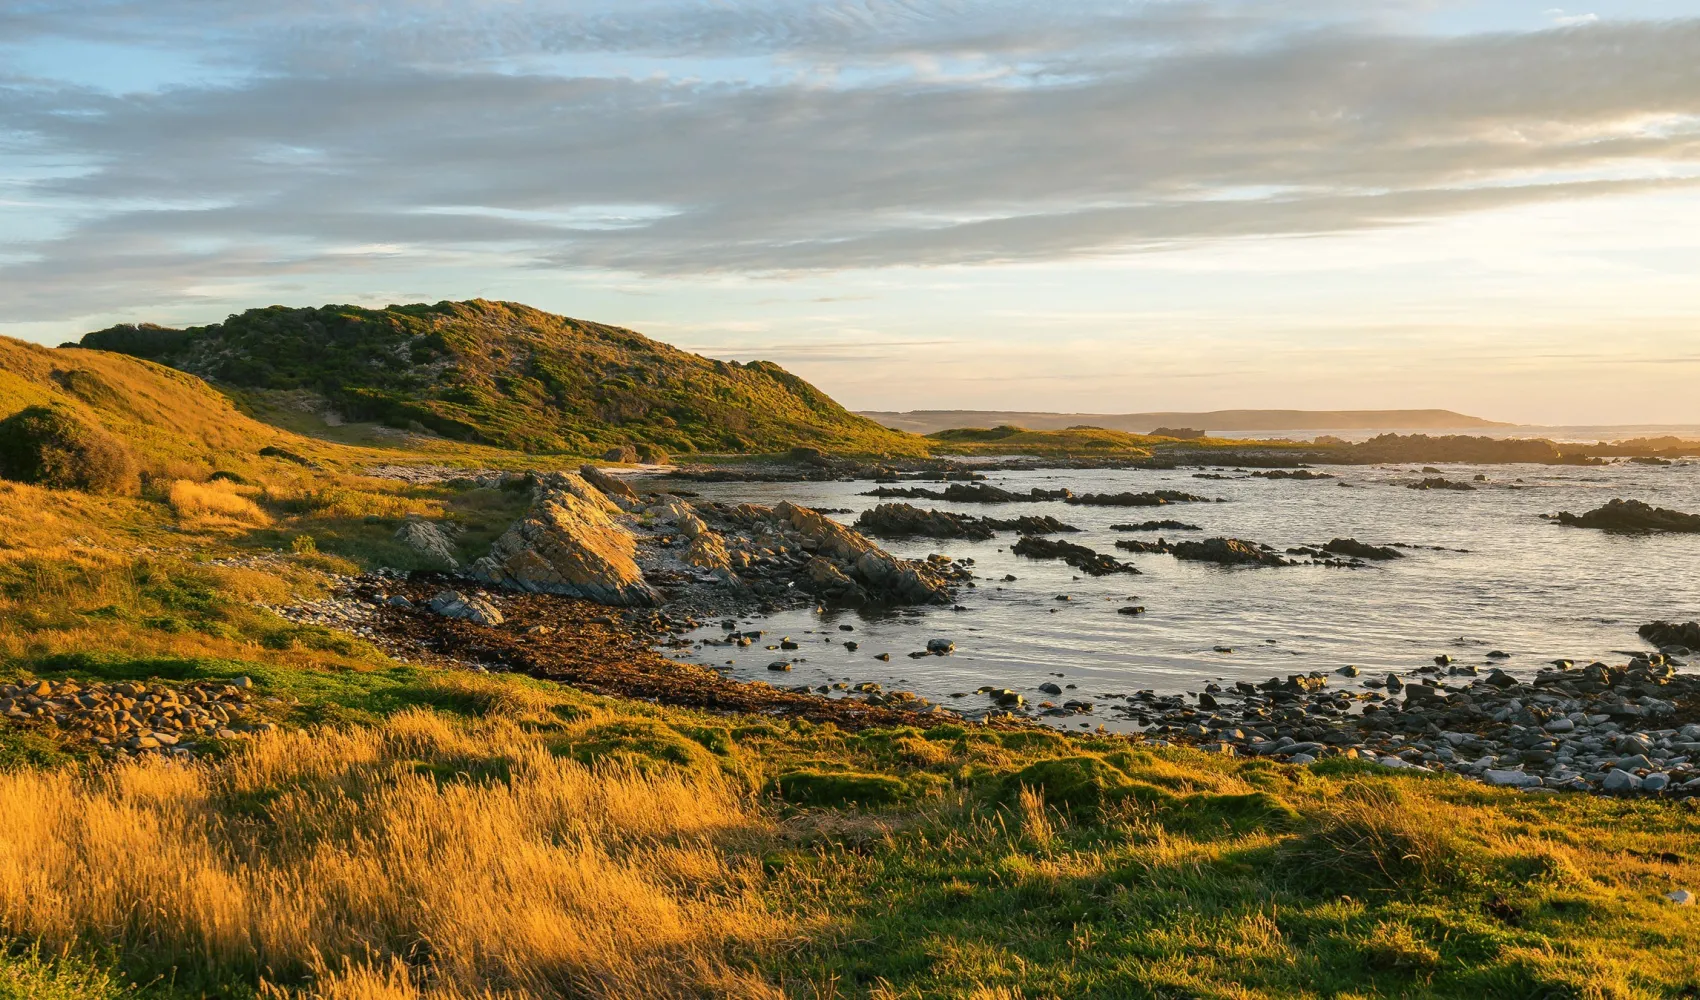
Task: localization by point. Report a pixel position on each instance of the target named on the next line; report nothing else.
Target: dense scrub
(508, 375)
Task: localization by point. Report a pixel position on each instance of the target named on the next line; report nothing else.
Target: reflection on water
(1531, 588)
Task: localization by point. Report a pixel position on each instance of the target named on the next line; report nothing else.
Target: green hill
(505, 374)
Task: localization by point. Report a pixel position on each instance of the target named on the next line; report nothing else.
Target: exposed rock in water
(615, 488)
(970, 493)
(901, 520)
(1228, 552)
(1156, 498)
(1078, 556)
(1438, 483)
(1361, 550)
(429, 540)
(1029, 524)
(1292, 474)
(1662, 634)
(1224, 551)
(568, 543)
(1156, 526)
(1632, 517)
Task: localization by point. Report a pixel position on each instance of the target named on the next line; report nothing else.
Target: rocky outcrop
(1156, 526)
(883, 576)
(901, 520)
(615, 489)
(428, 540)
(1672, 634)
(1078, 556)
(1439, 483)
(1632, 517)
(569, 544)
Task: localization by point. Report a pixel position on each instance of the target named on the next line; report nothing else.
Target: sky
(1078, 205)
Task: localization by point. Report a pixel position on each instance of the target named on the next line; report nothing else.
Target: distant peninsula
(928, 421)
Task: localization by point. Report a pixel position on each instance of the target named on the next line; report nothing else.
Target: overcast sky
(1089, 205)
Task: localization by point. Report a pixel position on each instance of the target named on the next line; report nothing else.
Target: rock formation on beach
(568, 543)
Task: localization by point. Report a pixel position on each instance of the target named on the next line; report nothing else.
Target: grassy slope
(883, 864)
(506, 374)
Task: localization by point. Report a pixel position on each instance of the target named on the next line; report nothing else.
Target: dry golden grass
(362, 873)
(214, 504)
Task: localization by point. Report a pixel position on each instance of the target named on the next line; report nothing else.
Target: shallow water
(1526, 586)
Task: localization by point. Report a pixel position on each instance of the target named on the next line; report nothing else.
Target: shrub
(51, 446)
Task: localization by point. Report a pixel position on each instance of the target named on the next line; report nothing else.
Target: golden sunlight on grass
(214, 504)
(426, 857)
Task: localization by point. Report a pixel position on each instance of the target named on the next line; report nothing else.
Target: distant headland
(928, 421)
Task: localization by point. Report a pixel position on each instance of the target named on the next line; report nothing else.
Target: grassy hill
(504, 374)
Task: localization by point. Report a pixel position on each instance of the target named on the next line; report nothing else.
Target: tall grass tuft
(357, 865)
(213, 504)
(1372, 836)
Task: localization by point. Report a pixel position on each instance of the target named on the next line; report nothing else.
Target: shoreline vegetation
(281, 717)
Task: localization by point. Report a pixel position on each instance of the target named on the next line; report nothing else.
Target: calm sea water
(1526, 586)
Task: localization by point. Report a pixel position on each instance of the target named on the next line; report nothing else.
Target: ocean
(1499, 577)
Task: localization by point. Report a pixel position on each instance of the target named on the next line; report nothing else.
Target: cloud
(458, 137)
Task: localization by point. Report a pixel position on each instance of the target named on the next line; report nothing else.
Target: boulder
(607, 484)
(454, 604)
(428, 540)
(570, 544)
(623, 453)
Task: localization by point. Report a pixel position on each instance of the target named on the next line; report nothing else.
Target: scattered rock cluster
(1601, 728)
(1438, 483)
(1631, 517)
(1156, 526)
(132, 717)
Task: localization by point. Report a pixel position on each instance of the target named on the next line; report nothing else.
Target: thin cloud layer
(668, 139)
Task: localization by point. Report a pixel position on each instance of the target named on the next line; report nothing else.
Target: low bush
(52, 446)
